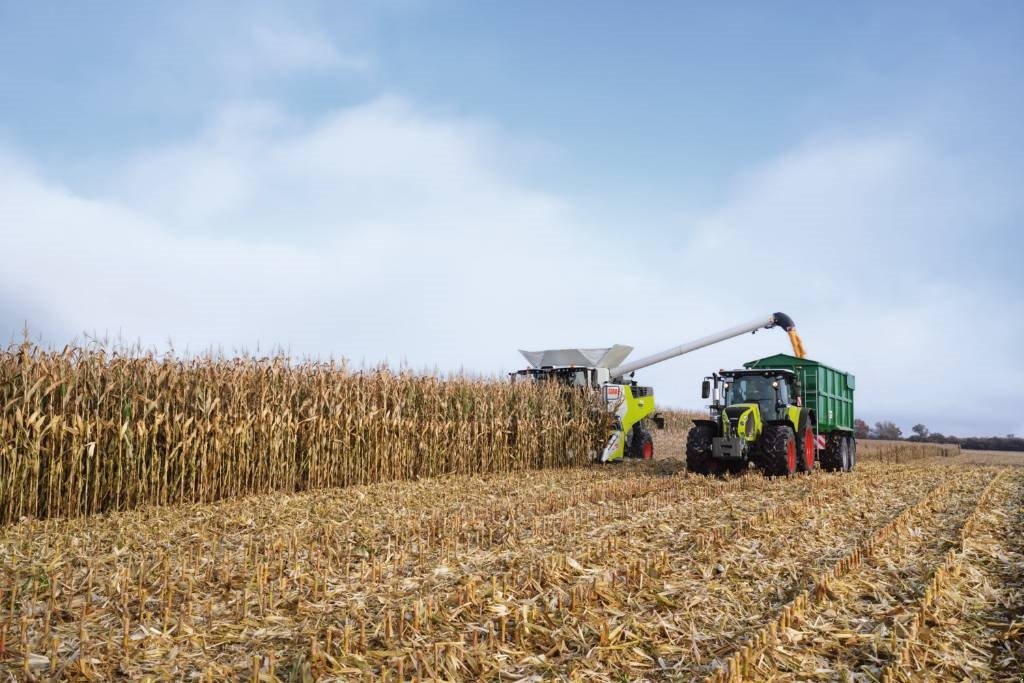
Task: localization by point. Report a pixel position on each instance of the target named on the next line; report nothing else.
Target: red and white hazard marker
(820, 439)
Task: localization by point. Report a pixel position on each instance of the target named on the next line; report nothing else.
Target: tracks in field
(867, 615)
(605, 573)
(560, 607)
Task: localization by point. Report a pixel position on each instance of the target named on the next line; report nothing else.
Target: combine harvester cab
(780, 413)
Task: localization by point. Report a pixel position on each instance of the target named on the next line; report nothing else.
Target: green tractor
(780, 413)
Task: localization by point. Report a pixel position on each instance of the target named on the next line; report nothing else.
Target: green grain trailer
(828, 393)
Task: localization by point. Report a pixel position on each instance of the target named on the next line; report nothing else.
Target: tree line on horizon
(890, 431)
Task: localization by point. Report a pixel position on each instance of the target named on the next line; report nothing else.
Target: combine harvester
(632, 404)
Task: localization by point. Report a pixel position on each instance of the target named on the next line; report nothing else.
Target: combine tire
(642, 444)
(838, 454)
(805, 446)
(698, 449)
(778, 446)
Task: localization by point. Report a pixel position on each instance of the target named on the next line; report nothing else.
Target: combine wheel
(642, 444)
(805, 446)
(778, 446)
(698, 449)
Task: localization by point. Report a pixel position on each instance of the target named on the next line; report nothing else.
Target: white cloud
(375, 232)
(290, 50)
(379, 232)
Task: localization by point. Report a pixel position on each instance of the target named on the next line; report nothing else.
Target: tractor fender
(703, 421)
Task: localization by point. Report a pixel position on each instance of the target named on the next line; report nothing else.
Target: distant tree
(861, 429)
(1011, 436)
(888, 430)
(920, 430)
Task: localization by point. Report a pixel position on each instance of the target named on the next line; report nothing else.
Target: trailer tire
(835, 457)
(853, 452)
(641, 446)
(698, 449)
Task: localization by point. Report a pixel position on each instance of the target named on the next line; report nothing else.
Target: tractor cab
(772, 391)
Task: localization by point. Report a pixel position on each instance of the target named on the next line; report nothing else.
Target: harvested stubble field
(464, 546)
(631, 572)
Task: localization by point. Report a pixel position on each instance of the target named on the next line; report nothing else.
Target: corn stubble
(637, 572)
(87, 430)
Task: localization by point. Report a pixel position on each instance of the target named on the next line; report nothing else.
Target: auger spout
(776, 319)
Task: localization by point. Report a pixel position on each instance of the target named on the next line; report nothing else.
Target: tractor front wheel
(778, 447)
(698, 449)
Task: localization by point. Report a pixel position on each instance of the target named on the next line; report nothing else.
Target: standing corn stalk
(86, 430)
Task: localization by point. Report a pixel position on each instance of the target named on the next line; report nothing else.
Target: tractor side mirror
(705, 389)
(659, 420)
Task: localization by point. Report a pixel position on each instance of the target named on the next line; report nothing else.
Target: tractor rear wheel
(642, 444)
(805, 447)
(698, 449)
(778, 450)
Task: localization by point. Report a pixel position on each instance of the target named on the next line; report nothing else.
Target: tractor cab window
(764, 391)
(783, 391)
(752, 389)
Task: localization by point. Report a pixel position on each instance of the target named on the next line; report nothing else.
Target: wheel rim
(648, 450)
(791, 455)
(809, 449)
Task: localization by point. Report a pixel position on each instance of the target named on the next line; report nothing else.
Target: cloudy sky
(438, 184)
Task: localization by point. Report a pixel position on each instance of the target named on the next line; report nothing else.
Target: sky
(435, 185)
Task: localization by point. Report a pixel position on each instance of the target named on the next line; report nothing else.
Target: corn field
(88, 430)
(300, 534)
(897, 571)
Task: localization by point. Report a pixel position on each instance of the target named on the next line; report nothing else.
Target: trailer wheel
(778, 445)
(698, 449)
(805, 446)
(853, 452)
(832, 457)
(642, 444)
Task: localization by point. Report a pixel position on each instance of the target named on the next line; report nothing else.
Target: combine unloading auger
(774, 320)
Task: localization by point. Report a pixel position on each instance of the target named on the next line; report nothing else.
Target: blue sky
(442, 183)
